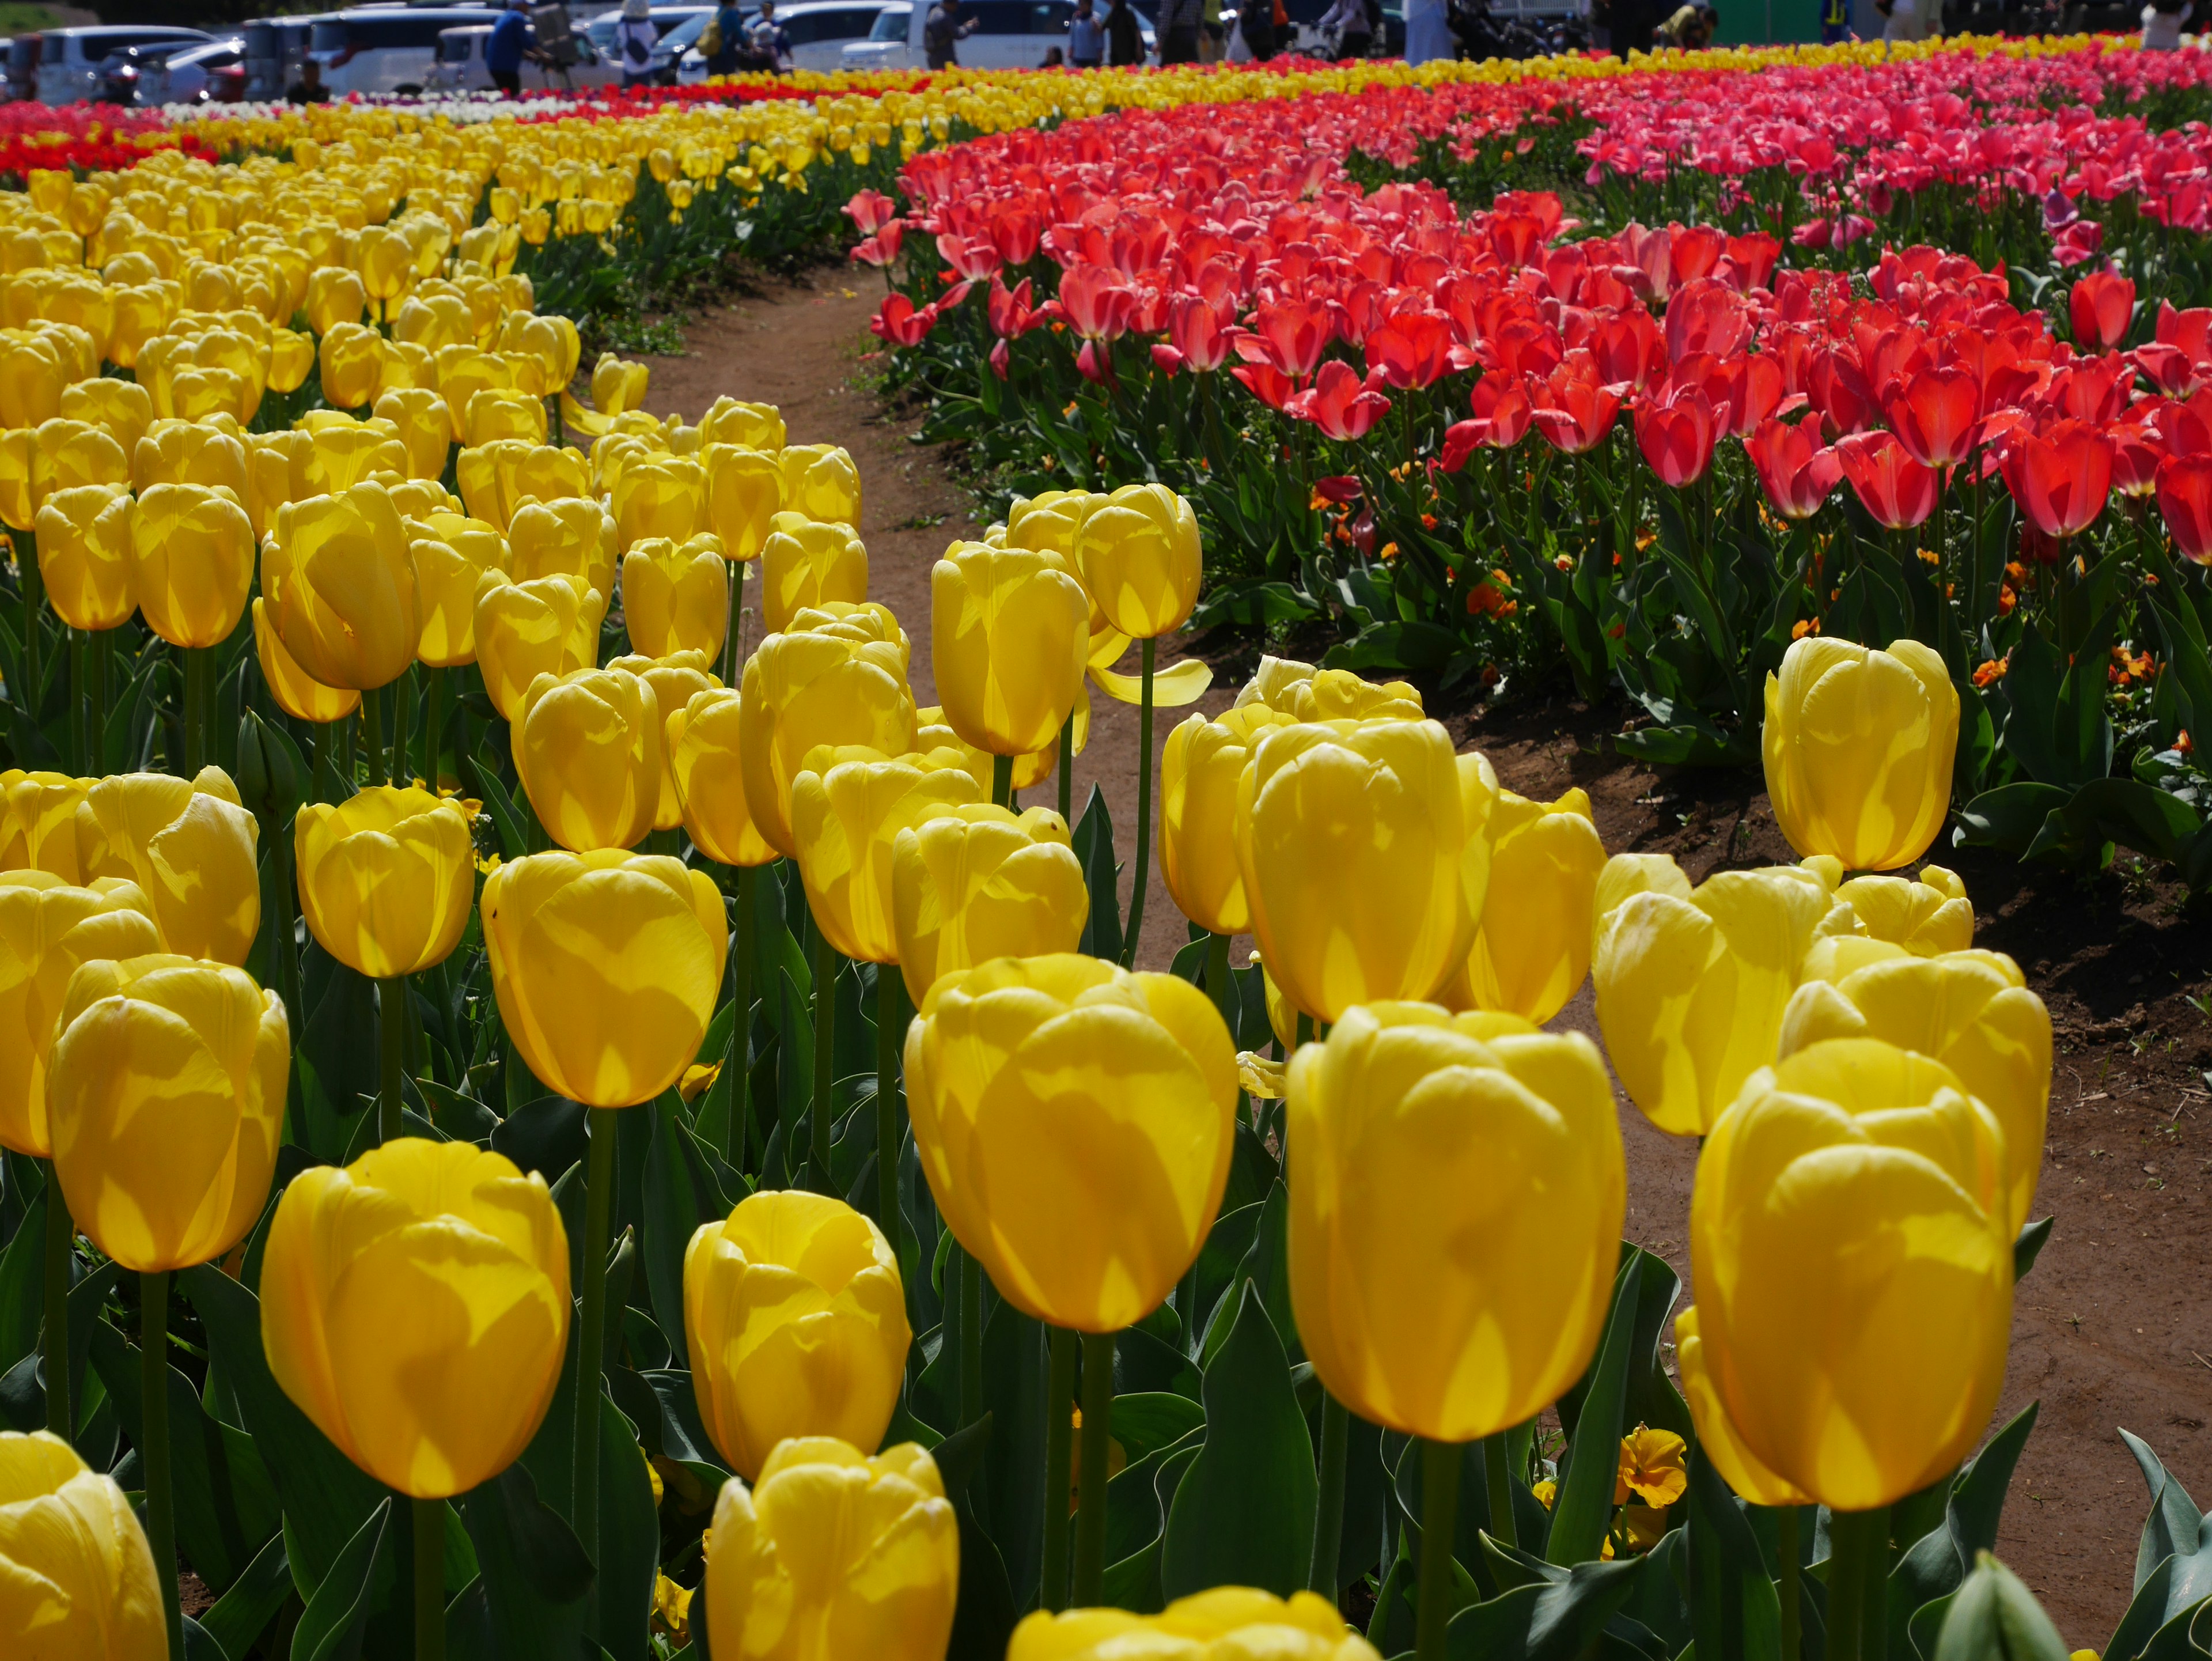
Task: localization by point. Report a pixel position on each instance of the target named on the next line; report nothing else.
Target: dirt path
(2114, 1327)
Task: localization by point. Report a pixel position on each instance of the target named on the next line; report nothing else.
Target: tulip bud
(1199, 767)
(796, 1321)
(1484, 1149)
(676, 597)
(665, 497)
(267, 783)
(572, 537)
(1533, 947)
(190, 847)
(848, 807)
(47, 929)
(1007, 635)
(1139, 554)
(589, 752)
(617, 385)
(806, 1556)
(549, 626)
(192, 562)
(806, 562)
(76, 1576)
(702, 739)
(165, 1094)
(1227, 1621)
(1858, 750)
(85, 556)
(386, 879)
(821, 482)
(837, 676)
(340, 587)
(1074, 1121)
(1690, 984)
(1364, 861)
(606, 966)
(981, 882)
(745, 493)
(353, 358)
(1870, 1173)
(414, 1306)
(450, 554)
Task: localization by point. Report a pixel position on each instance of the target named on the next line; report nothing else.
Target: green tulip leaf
(535, 1574)
(681, 1193)
(1584, 1506)
(1017, 1397)
(241, 1615)
(1146, 1421)
(1093, 844)
(1244, 1512)
(361, 1577)
(2173, 1525)
(23, 1286)
(1736, 1614)
(1652, 1398)
(1266, 1266)
(1995, 1618)
(983, 1612)
(514, 840)
(1545, 1621)
(2034, 1237)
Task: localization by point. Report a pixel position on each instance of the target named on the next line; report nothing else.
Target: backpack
(710, 37)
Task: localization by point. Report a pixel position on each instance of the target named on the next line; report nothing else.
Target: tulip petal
(1172, 688)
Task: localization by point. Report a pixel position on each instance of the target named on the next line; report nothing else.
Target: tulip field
(552, 1108)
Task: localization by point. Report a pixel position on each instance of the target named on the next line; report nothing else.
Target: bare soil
(2114, 1326)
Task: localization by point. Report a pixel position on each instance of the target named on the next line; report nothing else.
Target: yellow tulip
(121, 406)
(1139, 554)
(703, 740)
(415, 1306)
(297, 693)
(552, 340)
(451, 553)
(190, 847)
(665, 497)
(85, 556)
(209, 454)
(353, 358)
(549, 626)
(420, 415)
(47, 929)
(76, 1576)
(1364, 861)
(675, 680)
(1972, 1011)
(981, 882)
(497, 413)
(1870, 1173)
(933, 733)
(821, 482)
(1858, 749)
(589, 752)
(38, 822)
(606, 966)
(676, 597)
(1533, 947)
(796, 1320)
(276, 465)
(1487, 1152)
(1228, 1623)
(1007, 636)
(837, 676)
(745, 494)
(1047, 521)
(291, 356)
(495, 478)
(1074, 1121)
(335, 296)
(386, 263)
(31, 376)
(386, 879)
(192, 562)
(1927, 915)
(340, 585)
(805, 562)
(1199, 766)
(165, 1095)
(343, 451)
(848, 807)
(733, 422)
(834, 1553)
(1690, 984)
(68, 455)
(1304, 693)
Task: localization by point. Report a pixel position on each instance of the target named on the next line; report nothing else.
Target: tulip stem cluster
(30, 583)
(54, 1350)
(199, 705)
(1440, 1463)
(1090, 1490)
(153, 1453)
(598, 1191)
(1058, 1447)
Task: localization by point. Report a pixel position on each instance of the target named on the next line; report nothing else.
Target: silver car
(69, 59)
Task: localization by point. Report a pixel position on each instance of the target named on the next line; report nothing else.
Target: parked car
(119, 73)
(384, 49)
(68, 59)
(459, 65)
(213, 74)
(275, 47)
(23, 67)
(600, 30)
(819, 30)
(885, 46)
(1010, 35)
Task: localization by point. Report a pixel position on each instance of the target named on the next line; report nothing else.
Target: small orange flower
(1991, 671)
(1651, 1468)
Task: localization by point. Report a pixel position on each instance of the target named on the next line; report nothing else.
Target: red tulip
(1517, 238)
(1198, 331)
(1339, 402)
(1694, 250)
(1096, 302)
(1290, 334)
(1899, 491)
(898, 322)
(1751, 385)
(2136, 453)
(1839, 392)
(2059, 479)
(1706, 316)
(1001, 359)
(870, 211)
(1677, 435)
(1934, 415)
(2184, 500)
(1266, 383)
(1412, 350)
(1797, 474)
(1752, 259)
(1524, 346)
(1011, 312)
(1015, 234)
(972, 258)
(1571, 407)
(2102, 306)
(1501, 420)
(882, 248)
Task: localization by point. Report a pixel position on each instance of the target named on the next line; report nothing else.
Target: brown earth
(2114, 1327)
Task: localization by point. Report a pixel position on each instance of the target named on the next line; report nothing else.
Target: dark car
(120, 72)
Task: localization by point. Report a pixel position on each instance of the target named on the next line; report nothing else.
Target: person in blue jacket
(511, 42)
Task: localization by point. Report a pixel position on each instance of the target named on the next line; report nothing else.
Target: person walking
(1087, 38)
(941, 33)
(726, 37)
(1178, 30)
(1428, 32)
(1124, 40)
(770, 42)
(634, 40)
(511, 42)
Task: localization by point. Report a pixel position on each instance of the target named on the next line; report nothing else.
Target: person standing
(1835, 21)
(634, 40)
(511, 42)
(1087, 40)
(1178, 30)
(769, 40)
(1125, 40)
(724, 39)
(1348, 22)
(1428, 32)
(941, 33)
(1256, 27)
(2161, 25)
(309, 87)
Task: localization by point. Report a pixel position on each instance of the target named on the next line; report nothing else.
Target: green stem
(1328, 1520)
(1002, 779)
(1059, 1440)
(1496, 1466)
(738, 1151)
(971, 1340)
(1090, 1491)
(402, 726)
(1439, 1517)
(1785, 1525)
(154, 1454)
(196, 708)
(31, 583)
(1858, 1579)
(97, 648)
(888, 1129)
(1143, 811)
(391, 1021)
(430, 1580)
(730, 635)
(433, 740)
(590, 1342)
(825, 1055)
(1218, 980)
(372, 716)
(61, 1243)
(79, 706)
(1067, 769)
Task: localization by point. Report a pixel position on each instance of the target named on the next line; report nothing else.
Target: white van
(1010, 35)
(459, 65)
(385, 49)
(885, 46)
(69, 59)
